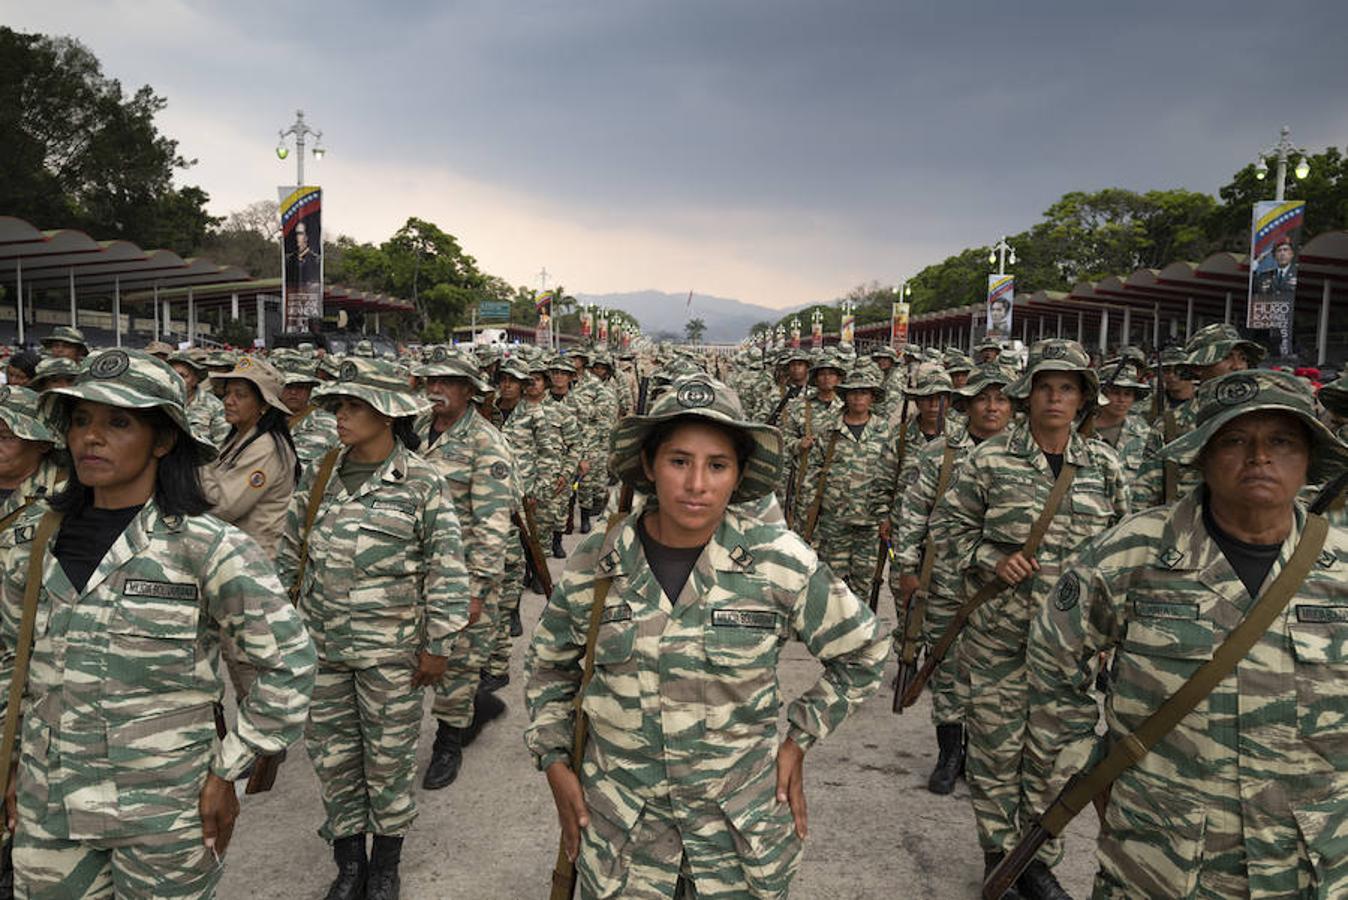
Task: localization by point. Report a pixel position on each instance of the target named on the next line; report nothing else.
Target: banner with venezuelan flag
(1275, 242)
(1001, 303)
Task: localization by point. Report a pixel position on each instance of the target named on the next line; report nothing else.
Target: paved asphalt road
(875, 831)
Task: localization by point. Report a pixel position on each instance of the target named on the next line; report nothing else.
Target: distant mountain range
(657, 311)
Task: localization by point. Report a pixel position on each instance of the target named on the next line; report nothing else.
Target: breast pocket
(1321, 652)
(742, 645)
(1011, 512)
(1165, 642)
(386, 543)
(152, 645)
(613, 697)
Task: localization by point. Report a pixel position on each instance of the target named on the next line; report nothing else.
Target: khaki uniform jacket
(250, 484)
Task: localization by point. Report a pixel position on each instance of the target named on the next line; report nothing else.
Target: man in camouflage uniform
(678, 778)
(313, 429)
(780, 384)
(1213, 350)
(564, 469)
(938, 464)
(65, 342)
(892, 378)
(1244, 797)
(987, 352)
(54, 371)
(120, 763)
(204, 410)
(805, 418)
(29, 469)
(851, 472)
(476, 463)
(931, 401)
(984, 519)
(596, 396)
(1119, 425)
(1179, 388)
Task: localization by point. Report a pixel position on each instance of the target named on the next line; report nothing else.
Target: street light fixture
(1281, 152)
(299, 130)
(1002, 255)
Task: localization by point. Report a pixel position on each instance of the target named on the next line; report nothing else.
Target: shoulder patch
(1069, 592)
(257, 478)
(911, 476)
(499, 471)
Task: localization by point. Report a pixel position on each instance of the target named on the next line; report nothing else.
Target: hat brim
(876, 389)
(1329, 455)
(393, 404)
(55, 400)
(435, 370)
(270, 397)
(27, 427)
(761, 470)
(1020, 388)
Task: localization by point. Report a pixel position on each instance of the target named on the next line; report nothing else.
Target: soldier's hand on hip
(1016, 568)
(791, 782)
(570, 802)
(429, 669)
(474, 610)
(219, 807)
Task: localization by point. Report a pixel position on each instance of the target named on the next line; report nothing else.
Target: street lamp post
(1002, 254)
(1280, 152)
(299, 130)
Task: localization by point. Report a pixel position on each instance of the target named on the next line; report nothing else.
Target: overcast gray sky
(774, 151)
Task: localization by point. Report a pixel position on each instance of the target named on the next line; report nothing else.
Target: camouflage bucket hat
(884, 351)
(1214, 343)
(516, 368)
(53, 367)
(988, 345)
(793, 354)
(957, 362)
(66, 334)
(1056, 355)
(827, 359)
(453, 366)
(603, 358)
(1230, 396)
(864, 377)
(159, 348)
(699, 397)
(1173, 356)
(931, 382)
(1334, 396)
(127, 379)
(19, 410)
(293, 376)
(193, 359)
(985, 375)
(1127, 378)
(263, 376)
(377, 382)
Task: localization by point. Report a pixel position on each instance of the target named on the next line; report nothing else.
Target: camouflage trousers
(550, 514)
(593, 490)
(174, 864)
(362, 737)
(498, 660)
(700, 856)
(850, 551)
(948, 687)
(1001, 781)
(456, 689)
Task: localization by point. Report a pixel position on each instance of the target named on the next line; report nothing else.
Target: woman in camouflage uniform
(686, 788)
(384, 593)
(124, 777)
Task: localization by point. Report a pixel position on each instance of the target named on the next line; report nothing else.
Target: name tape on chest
(763, 619)
(393, 505)
(160, 590)
(1157, 609)
(1321, 615)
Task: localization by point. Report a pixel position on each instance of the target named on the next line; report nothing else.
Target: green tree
(79, 152)
(693, 330)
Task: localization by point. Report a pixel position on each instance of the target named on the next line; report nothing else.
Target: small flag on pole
(688, 307)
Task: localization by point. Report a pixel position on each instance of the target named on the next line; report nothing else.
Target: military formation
(1064, 544)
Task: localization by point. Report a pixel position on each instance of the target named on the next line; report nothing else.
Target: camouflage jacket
(1266, 753)
(525, 431)
(684, 701)
(988, 511)
(385, 575)
(119, 724)
(914, 445)
(314, 432)
(476, 463)
(46, 479)
(600, 413)
(859, 485)
(913, 505)
(792, 423)
(1148, 487)
(206, 415)
(564, 422)
(1131, 445)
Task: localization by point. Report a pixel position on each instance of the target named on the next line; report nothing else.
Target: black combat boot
(349, 852)
(486, 708)
(557, 551)
(1038, 882)
(7, 870)
(384, 883)
(584, 520)
(950, 740)
(990, 862)
(446, 758)
(516, 623)
(489, 683)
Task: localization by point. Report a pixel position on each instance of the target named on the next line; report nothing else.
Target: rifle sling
(1126, 752)
(918, 612)
(51, 520)
(996, 585)
(321, 478)
(1169, 429)
(790, 392)
(819, 490)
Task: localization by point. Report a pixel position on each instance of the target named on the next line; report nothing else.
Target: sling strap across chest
(993, 587)
(1081, 789)
(813, 518)
(320, 485)
(913, 621)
